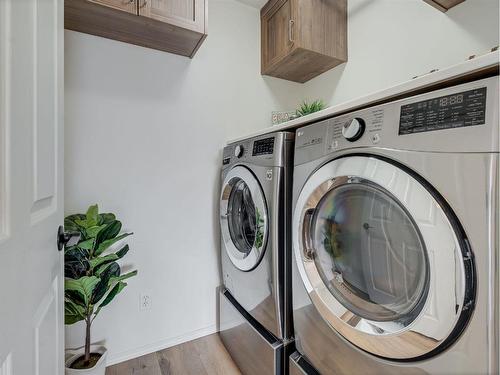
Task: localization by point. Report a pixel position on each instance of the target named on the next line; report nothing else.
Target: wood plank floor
(204, 356)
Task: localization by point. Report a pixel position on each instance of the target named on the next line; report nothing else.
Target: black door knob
(64, 237)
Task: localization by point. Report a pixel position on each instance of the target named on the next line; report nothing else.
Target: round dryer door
(243, 218)
(382, 258)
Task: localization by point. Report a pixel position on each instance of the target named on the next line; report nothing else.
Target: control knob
(354, 129)
(238, 151)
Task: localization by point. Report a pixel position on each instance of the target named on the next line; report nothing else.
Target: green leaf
(111, 295)
(109, 268)
(76, 297)
(105, 272)
(103, 260)
(94, 231)
(126, 276)
(87, 244)
(111, 231)
(82, 223)
(106, 244)
(84, 286)
(92, 218)
(70, 224)
(76, 262)
(73, 313)
(122, 252)
(106, 218)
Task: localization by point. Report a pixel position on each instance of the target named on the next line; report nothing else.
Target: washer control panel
(263, 147)
(267, 150)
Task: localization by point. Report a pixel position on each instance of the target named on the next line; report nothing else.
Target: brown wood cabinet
(177, 26)
(303, 38)
(182, 13)
(443, 5)
(125, 5)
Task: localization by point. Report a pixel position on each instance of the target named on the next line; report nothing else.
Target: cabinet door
(188, 14)
(125, 5)
(277, 31)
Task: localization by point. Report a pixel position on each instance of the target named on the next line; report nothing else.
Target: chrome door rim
(392, 342)
(252, 259)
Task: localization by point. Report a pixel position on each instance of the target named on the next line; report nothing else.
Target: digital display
(451, 100)
(263, 146)
(452, 111)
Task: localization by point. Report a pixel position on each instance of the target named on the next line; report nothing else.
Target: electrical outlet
(145, 302)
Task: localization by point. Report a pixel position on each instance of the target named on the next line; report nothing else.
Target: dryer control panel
(466, 108)
(457, 119)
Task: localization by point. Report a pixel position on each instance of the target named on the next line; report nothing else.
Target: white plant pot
(98, 369)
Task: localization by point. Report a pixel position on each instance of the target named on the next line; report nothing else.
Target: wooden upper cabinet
(125, 5)
(176, 26)
(303, 38)
(277, 32)
(182, 13)
(443, 5)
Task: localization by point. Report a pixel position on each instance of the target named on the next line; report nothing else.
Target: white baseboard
(160, 345)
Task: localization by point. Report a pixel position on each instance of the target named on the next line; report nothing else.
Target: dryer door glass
(383, 258)
(243, 218)
(369, 252)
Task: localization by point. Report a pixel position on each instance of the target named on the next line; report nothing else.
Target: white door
(31, 187)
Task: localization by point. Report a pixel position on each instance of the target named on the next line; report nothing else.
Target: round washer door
(381, 258)
(244, 222)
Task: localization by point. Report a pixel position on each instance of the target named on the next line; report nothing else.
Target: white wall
(144, 132)
(391, 41)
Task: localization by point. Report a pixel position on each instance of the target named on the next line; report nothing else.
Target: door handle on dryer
(308, 249)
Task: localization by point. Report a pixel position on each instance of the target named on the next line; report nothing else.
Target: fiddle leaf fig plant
(93, 277)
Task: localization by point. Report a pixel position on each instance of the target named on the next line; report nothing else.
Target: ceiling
(254, 3)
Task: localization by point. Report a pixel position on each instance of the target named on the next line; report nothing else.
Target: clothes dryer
(395, 236)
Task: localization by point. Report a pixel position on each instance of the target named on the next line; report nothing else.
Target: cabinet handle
(144, 3)
(290, 30)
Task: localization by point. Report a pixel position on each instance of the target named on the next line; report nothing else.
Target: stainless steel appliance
(255, 213)
(395, 237)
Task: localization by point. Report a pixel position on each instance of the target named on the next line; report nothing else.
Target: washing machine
(395, 237)
(255, 216)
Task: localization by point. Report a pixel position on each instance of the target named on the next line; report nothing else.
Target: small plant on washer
(308, 108)
(92, 275)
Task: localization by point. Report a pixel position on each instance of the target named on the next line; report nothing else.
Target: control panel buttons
(238, 151)
(354, 129)
(375, 138)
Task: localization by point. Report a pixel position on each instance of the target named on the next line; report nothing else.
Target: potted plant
(308, 108)
(92, 280)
